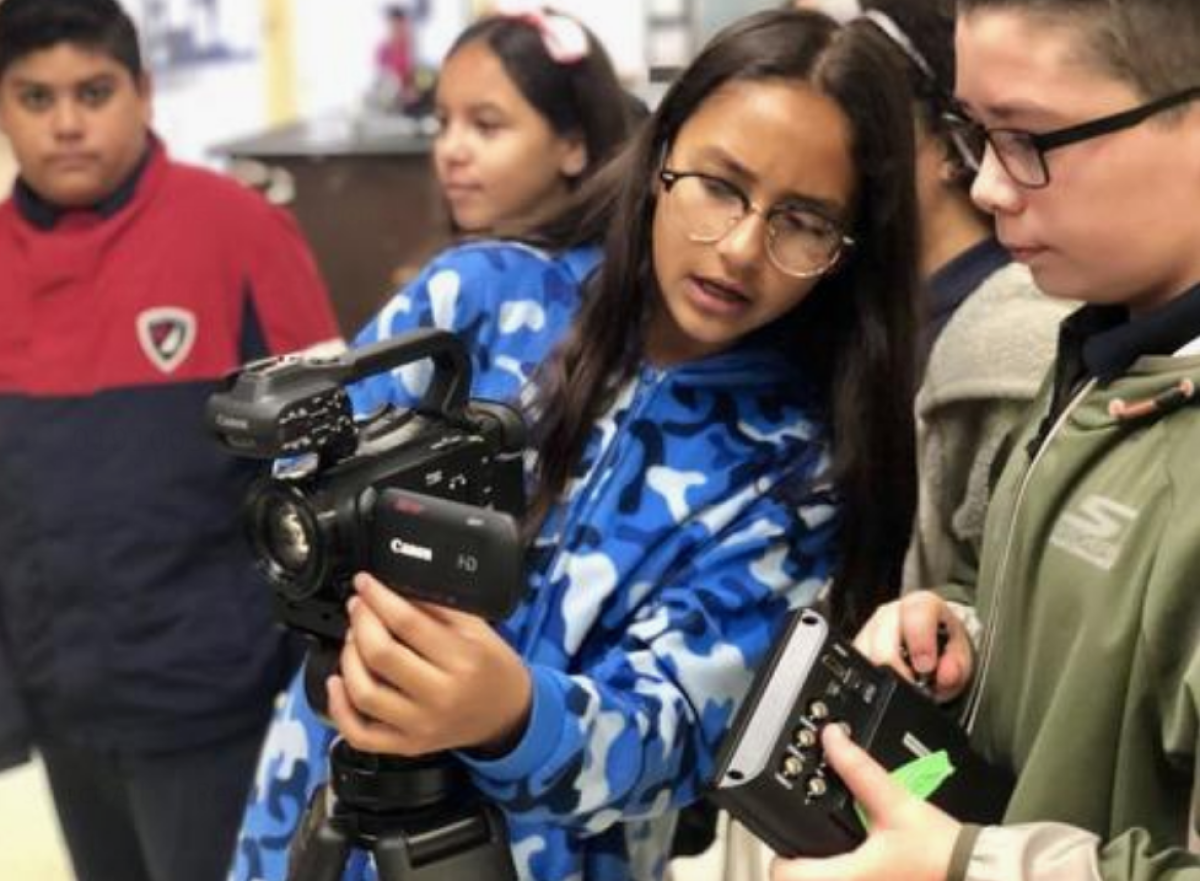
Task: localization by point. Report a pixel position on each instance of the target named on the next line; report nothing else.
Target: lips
(1025, 255)
(67, 161)
(456, 191)
(711, 295)
(1022, 253)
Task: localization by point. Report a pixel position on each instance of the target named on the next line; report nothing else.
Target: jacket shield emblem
(167, 335)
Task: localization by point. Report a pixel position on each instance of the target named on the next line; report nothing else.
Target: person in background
(1076, 647)
(395, 86)
(522, 125)
(137, 651)
(528, 107)
(989, 333)
(709, 433)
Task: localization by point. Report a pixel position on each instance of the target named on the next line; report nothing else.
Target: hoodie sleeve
(507, 303)
(635, 732)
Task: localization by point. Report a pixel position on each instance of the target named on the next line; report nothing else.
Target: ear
(574, 161)
(145, 89)
(3, 106)
(950, 170)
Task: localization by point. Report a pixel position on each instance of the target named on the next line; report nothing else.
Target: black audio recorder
(771, 772)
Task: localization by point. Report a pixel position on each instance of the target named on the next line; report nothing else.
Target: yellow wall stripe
(279, 61)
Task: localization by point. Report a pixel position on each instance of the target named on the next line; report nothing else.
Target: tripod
(419, 818)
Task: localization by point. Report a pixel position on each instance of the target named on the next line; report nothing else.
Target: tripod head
(418, 817)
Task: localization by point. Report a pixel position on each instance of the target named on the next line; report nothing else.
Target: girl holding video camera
(711, 437)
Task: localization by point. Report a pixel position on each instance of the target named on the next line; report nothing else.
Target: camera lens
(286, 536)
(286, 539)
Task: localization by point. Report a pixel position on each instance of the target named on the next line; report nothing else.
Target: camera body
(771, 771)
(424, 498)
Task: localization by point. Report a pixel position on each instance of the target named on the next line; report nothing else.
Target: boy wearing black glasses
(1075, 646)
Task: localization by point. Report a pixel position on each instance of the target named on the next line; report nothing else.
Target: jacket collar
(1106, 341)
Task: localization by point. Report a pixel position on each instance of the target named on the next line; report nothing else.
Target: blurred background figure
(396, 86)
(528, 106)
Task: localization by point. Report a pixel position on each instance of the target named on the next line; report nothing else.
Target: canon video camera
(424, 498)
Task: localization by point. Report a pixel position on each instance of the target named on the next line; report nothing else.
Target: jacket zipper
(971, 713)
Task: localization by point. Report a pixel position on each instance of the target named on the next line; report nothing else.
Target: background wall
(225, 69)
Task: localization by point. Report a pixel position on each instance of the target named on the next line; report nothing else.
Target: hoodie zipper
(971, 713)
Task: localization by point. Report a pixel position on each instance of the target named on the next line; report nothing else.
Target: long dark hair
(854, 334)
(581, 97)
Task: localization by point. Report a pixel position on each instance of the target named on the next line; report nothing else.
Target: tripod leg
(319, 850)
(469, 846)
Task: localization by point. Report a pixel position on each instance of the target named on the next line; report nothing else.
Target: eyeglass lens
(799, 242)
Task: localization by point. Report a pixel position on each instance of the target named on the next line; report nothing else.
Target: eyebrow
(485, 106)
(827, 207)
(1006, 113)
(94, 80)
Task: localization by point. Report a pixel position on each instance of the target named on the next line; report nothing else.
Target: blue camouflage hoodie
(654, 588)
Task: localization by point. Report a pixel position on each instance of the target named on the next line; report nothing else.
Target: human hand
(903, 634)
(417, 678)
(908, 838)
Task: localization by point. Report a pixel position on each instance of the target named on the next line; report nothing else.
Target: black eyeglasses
(801, 242)
(1023, 154)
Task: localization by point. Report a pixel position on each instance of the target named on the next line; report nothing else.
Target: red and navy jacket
(131, 613)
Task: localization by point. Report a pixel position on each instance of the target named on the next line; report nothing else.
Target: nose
(745, 242)
(67, 118)
(452, 143)
(993, 189)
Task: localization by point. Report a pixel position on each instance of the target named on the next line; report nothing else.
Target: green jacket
(1087, 678)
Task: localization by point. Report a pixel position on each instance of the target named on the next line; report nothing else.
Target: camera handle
(419, 818)
(450, 384)
(291, 405)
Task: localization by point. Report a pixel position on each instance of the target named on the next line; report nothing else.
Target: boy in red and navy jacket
(137, 651)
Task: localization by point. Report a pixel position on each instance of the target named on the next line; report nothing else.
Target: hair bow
(565, 39)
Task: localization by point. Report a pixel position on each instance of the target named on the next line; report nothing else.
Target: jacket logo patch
(167, 335)
(1094, 531)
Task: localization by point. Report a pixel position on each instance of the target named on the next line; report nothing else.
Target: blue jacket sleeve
(636, 732)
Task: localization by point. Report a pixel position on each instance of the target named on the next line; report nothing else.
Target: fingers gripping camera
(425, 498)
